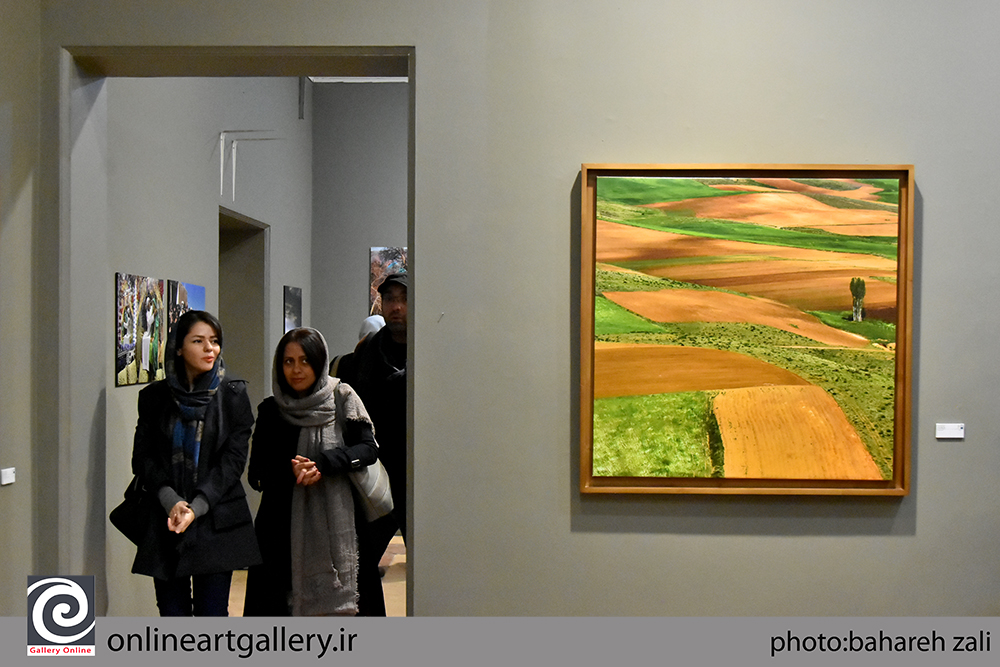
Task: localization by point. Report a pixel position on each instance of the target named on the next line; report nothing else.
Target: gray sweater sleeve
(168, 498)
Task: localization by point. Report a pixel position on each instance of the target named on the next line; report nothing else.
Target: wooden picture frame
(746, 329)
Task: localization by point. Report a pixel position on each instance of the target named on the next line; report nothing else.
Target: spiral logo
(60, 610)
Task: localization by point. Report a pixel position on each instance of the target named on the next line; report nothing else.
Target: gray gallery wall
(359, 197)
(20, 35)
(510, 98)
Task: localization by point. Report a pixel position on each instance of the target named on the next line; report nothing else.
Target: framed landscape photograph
(745, 329)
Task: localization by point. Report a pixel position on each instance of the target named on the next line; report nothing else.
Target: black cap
(401, 279)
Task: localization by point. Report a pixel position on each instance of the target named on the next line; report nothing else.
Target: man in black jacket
(377, 372)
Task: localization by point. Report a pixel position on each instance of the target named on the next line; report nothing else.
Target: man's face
(394, 308)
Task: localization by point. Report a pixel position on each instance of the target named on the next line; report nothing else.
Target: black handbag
(133, 515)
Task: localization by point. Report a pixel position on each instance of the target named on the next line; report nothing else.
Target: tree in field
(858, 294)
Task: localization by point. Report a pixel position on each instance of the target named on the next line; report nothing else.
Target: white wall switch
(6, 476)
(950, 431)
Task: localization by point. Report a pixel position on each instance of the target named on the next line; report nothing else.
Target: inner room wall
(511, 97)
(163, 194)
(359, 197)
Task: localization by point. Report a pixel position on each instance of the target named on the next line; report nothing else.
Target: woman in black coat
(309, 435)
(190, 449)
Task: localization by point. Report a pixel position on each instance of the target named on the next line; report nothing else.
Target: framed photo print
(383, 260)
(140, 329)
(745, 329)
(182, 297)
(292, 317)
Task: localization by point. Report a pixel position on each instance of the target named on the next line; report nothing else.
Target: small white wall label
(950, 431)
(6, 476)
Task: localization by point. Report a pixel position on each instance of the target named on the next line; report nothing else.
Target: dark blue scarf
(189, 423)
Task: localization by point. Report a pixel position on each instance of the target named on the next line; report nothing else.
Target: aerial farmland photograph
(745, 327)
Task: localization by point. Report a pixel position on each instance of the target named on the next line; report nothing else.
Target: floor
(393, 583)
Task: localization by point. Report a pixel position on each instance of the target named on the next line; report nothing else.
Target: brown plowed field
(636, 370)
(788, 210)
(789, 433)
(683, 305)
(806, 279)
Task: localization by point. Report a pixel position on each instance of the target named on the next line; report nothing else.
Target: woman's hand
(305, 471)
(180, 517)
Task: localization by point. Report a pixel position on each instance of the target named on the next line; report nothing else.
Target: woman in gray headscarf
(308, 436)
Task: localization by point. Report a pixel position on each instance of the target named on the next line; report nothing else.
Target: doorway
(243, 288)
(238, 237)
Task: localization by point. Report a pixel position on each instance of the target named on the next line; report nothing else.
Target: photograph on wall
(182, 297)
(140, 329)
(384, 260)
(293, 308)
(746, 329)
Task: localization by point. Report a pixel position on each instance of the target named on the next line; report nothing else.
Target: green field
(876, 331)
(848, 203)
(639, 191)
(611, 319)
(665, 435)
(621, 281)
(890, 188)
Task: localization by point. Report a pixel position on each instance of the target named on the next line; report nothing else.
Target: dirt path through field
(789, 432)
(635, 370)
